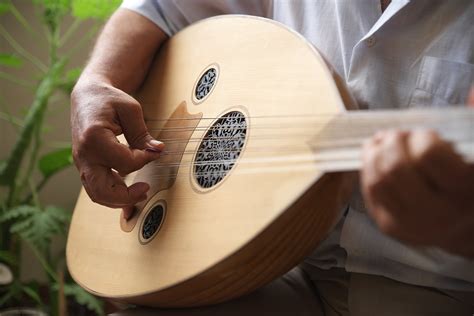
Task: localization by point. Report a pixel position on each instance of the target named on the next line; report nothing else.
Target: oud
(258, 139)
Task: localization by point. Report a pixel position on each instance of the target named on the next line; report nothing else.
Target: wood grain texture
(219, 244)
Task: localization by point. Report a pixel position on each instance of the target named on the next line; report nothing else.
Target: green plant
(24, 220)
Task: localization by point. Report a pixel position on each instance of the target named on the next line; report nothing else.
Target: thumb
(134, 128)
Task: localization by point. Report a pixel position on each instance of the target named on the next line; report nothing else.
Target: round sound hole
(220, 149)
(205, 83)
(153, 222)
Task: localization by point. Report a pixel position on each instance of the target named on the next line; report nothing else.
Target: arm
(417, 189)
(102, 109)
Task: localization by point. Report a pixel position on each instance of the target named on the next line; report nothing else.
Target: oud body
(245, 108)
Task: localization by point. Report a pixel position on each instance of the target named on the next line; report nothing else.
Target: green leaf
(55, 161)
(17, 212)
(73, 74)
(13, 293)
(70, 80)
(94, 9)
(53, 11)
(9, 295)
(84, 298)
(4, 7)
(3, 164)
(8, 257)
(37, 225)
(8, 174)
(32, 292)
(10, 60)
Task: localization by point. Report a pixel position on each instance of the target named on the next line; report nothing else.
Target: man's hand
(418, 190)
(100, 112)
(102, 108)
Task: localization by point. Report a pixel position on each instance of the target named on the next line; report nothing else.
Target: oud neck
(338, 146)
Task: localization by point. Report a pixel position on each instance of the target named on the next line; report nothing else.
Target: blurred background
(43, 46)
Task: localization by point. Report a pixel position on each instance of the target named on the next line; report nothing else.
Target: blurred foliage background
(43, 44)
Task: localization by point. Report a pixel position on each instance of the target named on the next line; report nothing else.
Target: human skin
(102, 108)
(416, 187)
(419, 190)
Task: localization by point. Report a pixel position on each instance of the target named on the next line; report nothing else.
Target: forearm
(124, 51)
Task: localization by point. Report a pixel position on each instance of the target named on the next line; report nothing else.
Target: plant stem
(20, 50)
(18, 81)
(84, 39)
(37, 189)
(34, 193)
(33, 157)
(49, 270)
(14, 247)
(11, 119)
(62, 307)
(69, 32)
(21, 19)
(9, 173)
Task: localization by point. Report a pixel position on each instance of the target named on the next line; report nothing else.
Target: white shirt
(415, 53)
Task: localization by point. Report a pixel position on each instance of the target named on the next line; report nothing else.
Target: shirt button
(370, 41)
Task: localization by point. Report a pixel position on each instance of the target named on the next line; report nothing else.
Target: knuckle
(126, 104)
(135, 107)
(427, 153)
(88, 136)
(399, 137)
(138, 139)
(429, 135)
(370, 154)
(424, 143)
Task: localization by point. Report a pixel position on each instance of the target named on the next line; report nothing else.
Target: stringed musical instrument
(257, 136)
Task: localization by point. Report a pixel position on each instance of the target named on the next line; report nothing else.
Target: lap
(292, 294)
(307, 290)
(357, 294)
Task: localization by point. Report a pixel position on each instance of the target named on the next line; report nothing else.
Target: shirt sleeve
(173, 15)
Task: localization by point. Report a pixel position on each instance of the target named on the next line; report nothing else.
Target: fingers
(106, 187)
(121, 157)
(437, 161)
(393, 189)
(101, 112)
(128, 212)
(134, 128)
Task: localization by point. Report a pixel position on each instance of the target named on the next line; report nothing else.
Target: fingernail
(155, 146)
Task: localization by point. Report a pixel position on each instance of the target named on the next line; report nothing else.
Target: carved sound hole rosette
(152, 222)
(205, 84)
(219, 149)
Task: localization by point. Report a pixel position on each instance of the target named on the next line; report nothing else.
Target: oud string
(358, 126)
(324, 136)
(390, 113)
(329, 161)
(340, 131)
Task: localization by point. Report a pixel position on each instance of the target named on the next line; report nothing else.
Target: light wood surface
(268, 213)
